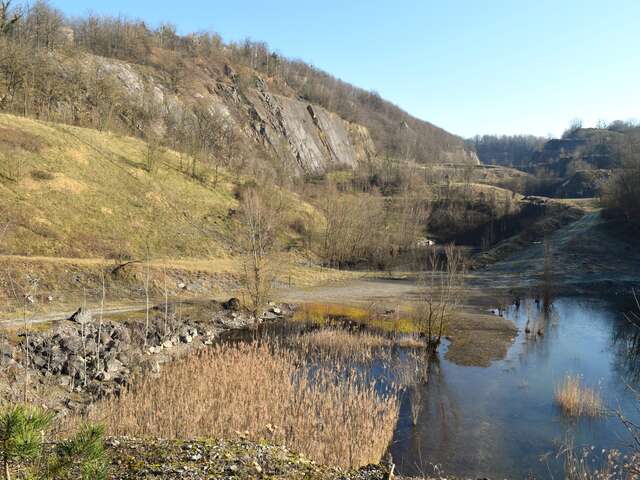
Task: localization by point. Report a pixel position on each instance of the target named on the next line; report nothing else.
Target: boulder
(71, 344)
(113, 366)
(233, 304)
(81, 316)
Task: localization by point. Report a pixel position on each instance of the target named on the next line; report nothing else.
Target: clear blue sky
(485, 66)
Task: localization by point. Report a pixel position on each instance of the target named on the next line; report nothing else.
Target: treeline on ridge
(30, 84)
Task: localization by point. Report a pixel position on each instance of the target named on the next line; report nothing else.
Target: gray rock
(113, 366)
(71, 344)
(81, 316)
(73, 366)
(124, 358)
(233, 304)
(64, 380)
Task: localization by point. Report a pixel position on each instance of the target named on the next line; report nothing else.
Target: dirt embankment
(589, 256)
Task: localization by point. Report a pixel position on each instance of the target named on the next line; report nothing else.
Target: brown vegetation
(263, 393)
(577, 400)
(33, 85)
(341, 343)
(260, 219)
(623, 192)
(441, 293)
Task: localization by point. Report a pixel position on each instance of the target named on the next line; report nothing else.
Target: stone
(113, 365)
(124, 357)
(81, 316)
(73, 366)
(71, 344)
(102, 376)
(39, 361)
(232, 304)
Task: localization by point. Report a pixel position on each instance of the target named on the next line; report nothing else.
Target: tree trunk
(7, 473)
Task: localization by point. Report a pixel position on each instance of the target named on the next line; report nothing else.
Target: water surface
(501, 421)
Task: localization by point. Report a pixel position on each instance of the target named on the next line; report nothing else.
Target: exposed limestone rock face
(306, 138)
(270, 123)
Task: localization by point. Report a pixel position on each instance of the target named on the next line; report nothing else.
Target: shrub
(41, 175)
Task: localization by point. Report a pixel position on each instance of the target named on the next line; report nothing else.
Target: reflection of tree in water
(434, 417)
(626, 341)
(541, 322)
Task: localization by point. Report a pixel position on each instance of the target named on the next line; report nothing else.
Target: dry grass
(577, 400)
(587, 463)
(261, 392)
(341, 343)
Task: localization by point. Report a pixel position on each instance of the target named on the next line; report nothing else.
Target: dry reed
(576, 400)
(261, 392)
(341, 343)
(359, 346)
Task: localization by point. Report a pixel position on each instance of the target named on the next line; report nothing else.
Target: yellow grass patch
(327, 313)
(577, 400)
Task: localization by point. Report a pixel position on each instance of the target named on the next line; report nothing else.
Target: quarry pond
(501, 421)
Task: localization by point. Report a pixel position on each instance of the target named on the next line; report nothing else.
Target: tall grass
(341, 343)
(591, 464)
(577, 400)
(359, 346)
(261, 392)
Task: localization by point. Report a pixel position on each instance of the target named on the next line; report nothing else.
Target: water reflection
(501, 421)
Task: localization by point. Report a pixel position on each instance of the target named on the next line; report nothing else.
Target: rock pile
(87, 356)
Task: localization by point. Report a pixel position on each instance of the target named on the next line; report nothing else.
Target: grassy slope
(83, 193)
(79, 193)
(73, 198)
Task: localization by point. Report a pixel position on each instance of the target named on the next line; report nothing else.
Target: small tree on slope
(23, 448)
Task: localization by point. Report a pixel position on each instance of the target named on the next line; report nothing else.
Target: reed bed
(577, 400)
(361, 346)
(260, 392)
(355, 346)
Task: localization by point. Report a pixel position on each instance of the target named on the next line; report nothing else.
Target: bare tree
(8, 17)
(441, 291)
(260, 220)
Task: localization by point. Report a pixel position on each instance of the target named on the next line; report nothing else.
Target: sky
(469, 66)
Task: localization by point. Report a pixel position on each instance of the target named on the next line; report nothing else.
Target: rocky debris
(94, 359)
(241, 459)
(81, 316)
(232, 304)
(82, 355)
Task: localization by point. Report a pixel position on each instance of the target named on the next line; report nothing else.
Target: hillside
(260, 109)
(76, 203)
(75, 192)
